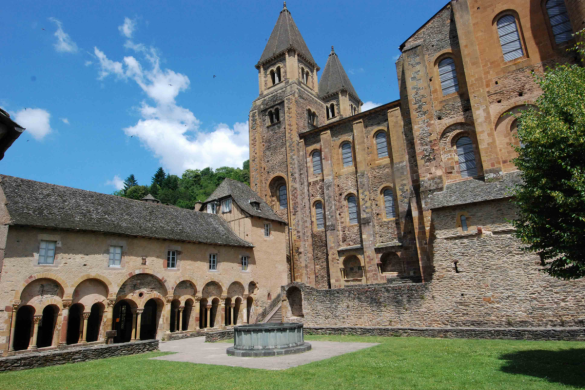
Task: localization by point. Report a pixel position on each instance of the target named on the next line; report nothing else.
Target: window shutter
(352, 209)
(389, 204)
(319, 215)
(509, 38)
(466, 156)
(346, 154)
(448, 75)
(317, 162)
(381, 145)
(559, 20)
(282, 197)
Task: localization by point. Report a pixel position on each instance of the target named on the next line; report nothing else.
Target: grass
(398, 363)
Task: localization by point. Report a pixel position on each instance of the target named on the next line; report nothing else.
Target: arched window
(332, 110)
(278, 77)
(328, 113)
(319, 215)
(352, 209)
(346, 154)
(381, 144)
(389, 203)
(466, 156)
(271, 117)
(276, 115)
(559, 20)
(317, 167)
(464, 223)
(273, 77)
(448, 75)
(509, 38)
(282, 196)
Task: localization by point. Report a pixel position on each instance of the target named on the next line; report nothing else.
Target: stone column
(232, 307)
(12, 326)
(133, 337)
(180, 318)
(84, 336)
(207, 315)
(197, 308)
(65, 323)
(221, 314)
(138, 322)
(244, 315)
(33, 340)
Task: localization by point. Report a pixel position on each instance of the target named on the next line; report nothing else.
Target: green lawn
(398, 363)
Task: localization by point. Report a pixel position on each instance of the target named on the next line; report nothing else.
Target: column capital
(139, 311)
(232, 304)
(86, 315)
(209, 306)
(38, 318)
(181, 308)
(111, 302)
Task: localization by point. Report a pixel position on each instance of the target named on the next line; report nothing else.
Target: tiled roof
(334, 78)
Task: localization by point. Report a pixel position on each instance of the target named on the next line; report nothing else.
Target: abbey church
(389, 219)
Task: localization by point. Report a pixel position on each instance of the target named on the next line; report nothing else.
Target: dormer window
(226, 205)
(212, 208)
(255, 205)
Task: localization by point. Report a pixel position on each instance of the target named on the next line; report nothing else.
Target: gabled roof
(32, 203)
(12, 131)
(334, 78)
(286, 35)
(243, 196)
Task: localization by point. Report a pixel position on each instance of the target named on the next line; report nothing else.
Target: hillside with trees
(194, 185)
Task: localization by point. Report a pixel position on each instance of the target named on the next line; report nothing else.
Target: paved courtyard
(196, 350)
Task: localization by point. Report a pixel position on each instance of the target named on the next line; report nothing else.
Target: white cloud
(369, 105)
(65, 120)
(170, 131)
(88, 63)
(127, 29)
(116, 182)
(36, 121)
(64, 42)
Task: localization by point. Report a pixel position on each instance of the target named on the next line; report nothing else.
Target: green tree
(130, 182)
(137, 192)
(551, 200)
(159, 177)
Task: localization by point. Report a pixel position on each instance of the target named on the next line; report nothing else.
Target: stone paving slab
(196, 350)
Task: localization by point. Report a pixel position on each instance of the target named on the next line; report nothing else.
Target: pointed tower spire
(334, 78)
(285, 36)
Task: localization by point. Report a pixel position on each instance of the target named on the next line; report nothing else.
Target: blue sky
(110, 88)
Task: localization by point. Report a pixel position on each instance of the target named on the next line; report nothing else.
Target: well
(268, 340)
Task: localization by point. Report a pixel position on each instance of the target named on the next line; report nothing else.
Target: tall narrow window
(332, 110)
(319, 216)
(389, 204)
(559, 20)
(226, 205)
(464, 223)
(328, 113)
(267, 230)
(381, 144)
(509, 38)
(172, 259)
(47, 252)
(448, 76)
(276, 115)
(346, 154)
(273, 77)
(466, 157)
(278, 78)
(317, 168)
(212, 208)
(282, 196)
(115, 256)
(352, 209)
(213, 262)
(245, 263)
(271, 117)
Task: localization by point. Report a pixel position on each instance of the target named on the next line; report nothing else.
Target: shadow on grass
(566, 366)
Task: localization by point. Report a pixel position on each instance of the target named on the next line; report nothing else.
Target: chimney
(198, 206)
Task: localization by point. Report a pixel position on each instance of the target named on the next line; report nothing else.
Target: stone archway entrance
(74, 323)
(23, 328)
(123, 322)
(47, 327)
(149, 321)
(94, 322)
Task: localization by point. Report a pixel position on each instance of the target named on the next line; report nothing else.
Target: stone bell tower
(288, 104)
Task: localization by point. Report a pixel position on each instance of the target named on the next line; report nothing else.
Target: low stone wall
(567, 334)
(218, 336)
(183, 335)
(75, 355)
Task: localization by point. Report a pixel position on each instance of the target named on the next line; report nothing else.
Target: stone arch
(161, 278)
(89, 292)
(252, 288)
(236, 289)
(46, 336)
(44, 275)
(142, 287)
(391, 265)
(182, 280)
(23, 327)
(212, 289)
(274, 185)
(294, 297)
(353, 267)
(506, 135)
(109, 285)
(447, 144)
(184, 290)
(41, 292)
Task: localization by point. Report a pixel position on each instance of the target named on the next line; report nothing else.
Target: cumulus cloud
(171, 132)
(65, 120)
(369, 105)
(127, 29)
(116, 182)
(64, 42)
(36, 121)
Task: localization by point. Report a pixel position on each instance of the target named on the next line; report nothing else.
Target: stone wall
(75, 355)
(219, 336)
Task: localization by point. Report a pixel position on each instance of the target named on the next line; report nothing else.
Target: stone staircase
(275, 317)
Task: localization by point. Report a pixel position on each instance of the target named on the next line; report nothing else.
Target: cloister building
(77, 264)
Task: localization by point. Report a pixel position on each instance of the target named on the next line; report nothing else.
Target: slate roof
(334, 78)
(286, 35)
(243, 195)
(32, 203)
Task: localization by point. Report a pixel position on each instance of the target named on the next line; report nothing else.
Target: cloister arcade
(49, 314)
